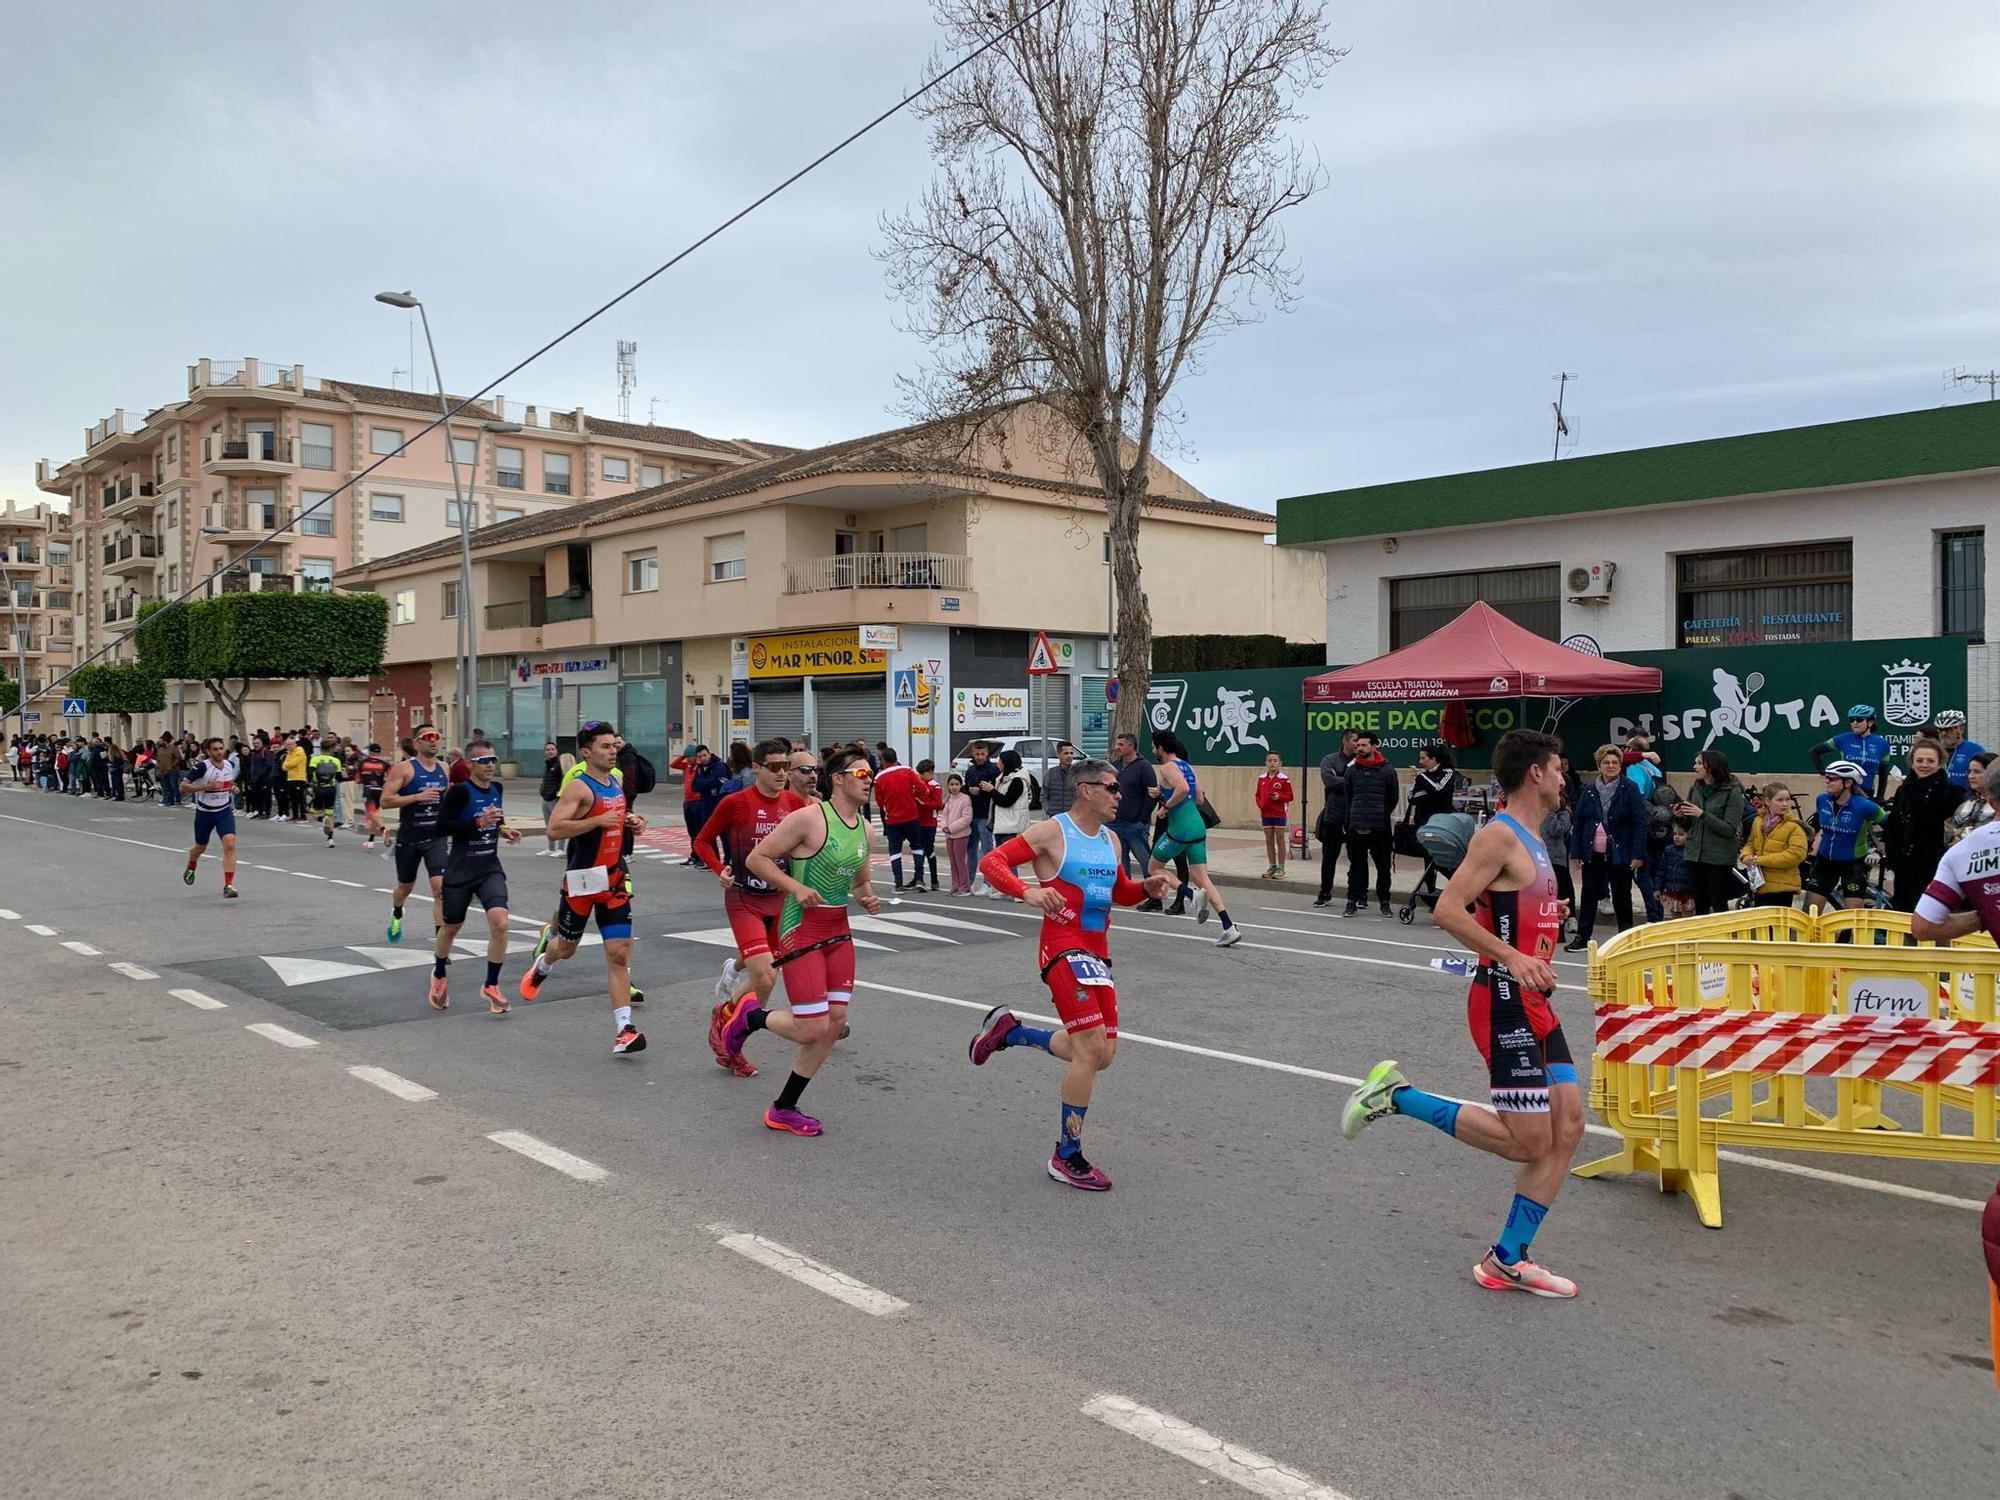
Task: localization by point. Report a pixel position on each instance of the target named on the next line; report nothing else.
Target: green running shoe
(1370, 1102)
(395, 928)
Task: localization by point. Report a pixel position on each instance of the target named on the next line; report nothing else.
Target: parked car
(1029, 746)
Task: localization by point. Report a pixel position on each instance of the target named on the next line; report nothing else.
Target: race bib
(1088, 969)
(591, 880)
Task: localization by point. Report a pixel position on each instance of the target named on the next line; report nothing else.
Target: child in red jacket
(1274, 796)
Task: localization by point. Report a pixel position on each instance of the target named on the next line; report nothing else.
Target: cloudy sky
(1723, 217)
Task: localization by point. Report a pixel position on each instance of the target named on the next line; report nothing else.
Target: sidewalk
(1236, 858)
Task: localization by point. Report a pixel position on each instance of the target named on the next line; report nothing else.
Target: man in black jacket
(1372, 794)
(1332, 825)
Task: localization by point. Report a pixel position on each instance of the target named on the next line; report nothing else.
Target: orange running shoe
(1523, 1276)
(495, 1001)
(439, 999)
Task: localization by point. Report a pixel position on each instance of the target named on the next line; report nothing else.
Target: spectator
(741, 772)
(898, 793)
(118, 763)
(1372, 794)
(1954, 748)
(930, 799)
(1608, 835)
(1713, 816)
(1918, 814)
(1672, 880)
(685, 764)
(1057, 795)
(1136, 780)
(1273, 796)
(1975, 810)
(167, 766)
(293, 768)
(1776, 848)
(456, 767)
(1331, 829)
(706, 774)
(955, 820)
(1555, 835)
(1012, 798)
(554, 765)
(980, 776)
(1431, 794)
(100, 767)
(1642, 763)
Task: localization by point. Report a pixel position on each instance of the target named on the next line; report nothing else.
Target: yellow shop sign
(812, 653)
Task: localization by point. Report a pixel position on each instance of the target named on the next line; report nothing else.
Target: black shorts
(613, 909)
(455, 897)
(1838, 879)
(409, 856)
(323, 798)
(1518, 1035)
(372, 795)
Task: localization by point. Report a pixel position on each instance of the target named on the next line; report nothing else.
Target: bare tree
(1107, 201)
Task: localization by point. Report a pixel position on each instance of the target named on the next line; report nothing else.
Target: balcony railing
(262, 448)
(878, 570)
(516, 613)
(562, 607)
(246, 375)
(129, 546)
(122, 608)
(235, 582)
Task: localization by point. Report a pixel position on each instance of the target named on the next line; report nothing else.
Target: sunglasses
(861, 773)
(486, 760)
(1102, 786)
(430, 739)
(776, 765)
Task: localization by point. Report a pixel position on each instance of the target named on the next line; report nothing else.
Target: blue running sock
(1071, 1143)
(1523, 1219)
(492, 972)
(438, 966)
(1414, 1102)
(1027, 1036)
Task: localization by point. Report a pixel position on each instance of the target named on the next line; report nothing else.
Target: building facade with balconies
(743, 603)
(36, 572)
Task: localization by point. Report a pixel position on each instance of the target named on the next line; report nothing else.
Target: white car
(1029, 747)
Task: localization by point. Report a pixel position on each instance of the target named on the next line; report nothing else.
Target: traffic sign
(31, 716)
(75, 708)
(906, 687)
(1041, 660)
(552, 689)
(1111, 690)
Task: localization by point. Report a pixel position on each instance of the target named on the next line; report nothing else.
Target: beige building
(36, 582)
(745, 602)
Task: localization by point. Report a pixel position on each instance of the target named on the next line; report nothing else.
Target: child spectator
(1274, 796)
(1675, 886)
(930, 801)
(955, 821)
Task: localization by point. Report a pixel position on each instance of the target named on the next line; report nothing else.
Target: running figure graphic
(1732, 705)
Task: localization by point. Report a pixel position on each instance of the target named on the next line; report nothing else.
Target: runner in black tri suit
(1502, 904)
(417, 787)
(371, 770)
(471, 817)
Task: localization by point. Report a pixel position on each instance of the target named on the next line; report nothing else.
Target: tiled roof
(892, 452)
(382, 395)
(678, 437)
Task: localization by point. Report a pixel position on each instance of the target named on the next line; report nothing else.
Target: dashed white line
(352, 884)
(269, 869)
(132, 971)
(304, 876)
(382, 890)
(198, 1000)
(1239, 1465)
(40, 931)
(391, 1083)
(809, 1272)
(84, 948)
(9, 916)
(279, 1035)
(548, 1156)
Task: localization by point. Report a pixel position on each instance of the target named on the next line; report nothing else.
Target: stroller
(1444, 840)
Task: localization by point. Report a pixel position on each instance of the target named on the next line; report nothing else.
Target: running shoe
(718, 1018)
(1078, 1173)
(792, 1120)
(630, 1040)
(1231, 936)
(991, 1036)
(736, 1025)
(1523, 1276)
(633, 994)
(395, 928)
(329, 841)
(726, 985)
(439, 999)
(1371, 1101)
(496, 1002)
(187, 876)
(1201, 903)
(531, 982)
(845, 1029)
(368, 846)
(741, 1067)
(230, 893)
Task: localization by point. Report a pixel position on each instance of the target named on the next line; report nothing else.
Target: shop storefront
(527, 700)
(816, 686)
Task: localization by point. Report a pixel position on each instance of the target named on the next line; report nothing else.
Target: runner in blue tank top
(1186, 834)
(417, 787)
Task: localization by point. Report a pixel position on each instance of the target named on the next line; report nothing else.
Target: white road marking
(862, 922)
(1443, 944)
(549, 1156)
(84, 948)
(269, 869)
(87, 834)
(279, 1035)
(393, 958)
(722, 937)
(198, 1000)
(1769, 1164)
(295, 971)
(304, 876)
(132, 971)
(392, 1083)
(382, 890)
(932, 919)
(1241, 1466)
(809, 1272)
(9, 916)
(40, 931)
(351, 884)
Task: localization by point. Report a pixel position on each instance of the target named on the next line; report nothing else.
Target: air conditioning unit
(1591, 584)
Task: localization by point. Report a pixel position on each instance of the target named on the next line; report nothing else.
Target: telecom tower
(628, 376)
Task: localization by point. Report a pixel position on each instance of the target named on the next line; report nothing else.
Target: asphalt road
(235, 1267)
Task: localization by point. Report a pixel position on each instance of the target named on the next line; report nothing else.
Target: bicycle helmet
(1847, 769)
(1861, 711)
(1950, 718)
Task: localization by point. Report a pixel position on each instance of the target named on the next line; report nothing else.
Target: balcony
(131, 497)
(241, 581)
(60, 575)
(114, 434)
(50, 478)
(130, 554)
(879, 570)
(563, 607)
(120, 609)
(263, 453)
(863, 588)
(236, 528)
(20, 555)
(240, 381)
(517, 614)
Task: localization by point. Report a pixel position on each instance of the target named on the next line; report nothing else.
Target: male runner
(323, 773)
(805, 776)
(827, 844)
(371, 770)
(1844, 818)
(590, 812)
(1861, 745)
(212, 781)
(471, 817)
(418, 786)
(637, 996)
(740, 822)
(1537, 1113)
(1077, 861)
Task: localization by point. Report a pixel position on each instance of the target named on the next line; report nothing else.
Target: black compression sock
(794, 1086)
(759, 1019)
(396, 911)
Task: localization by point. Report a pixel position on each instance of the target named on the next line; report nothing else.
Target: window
(617, 470)
(403, 606)
(452, 512)
(260, 509)
(725, 557)
(642, 572)
(1961, 584)
(173, 514)
(465, 450)
(555, 473)
(385, 507)
(1530, 597)
(59, 552)
(382, 440)
(173, 579)
(508, 468)
(316, 445)
(651, 474)
(268, 566)
(448, 596)
(316, 574)
(173, 448)
(639, 661)
(507, 513)
(1798, 592)
(315, 513)
(910, 539)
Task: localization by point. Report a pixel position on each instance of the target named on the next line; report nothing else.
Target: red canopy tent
(1481, 654)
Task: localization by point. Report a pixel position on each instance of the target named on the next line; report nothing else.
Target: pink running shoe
(1078, 1173)
(439, 997)
(736, 1029)
(792, 1120)
(1523, 1276)
(992, 1035)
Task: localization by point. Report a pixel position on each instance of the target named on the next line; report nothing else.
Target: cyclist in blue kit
(1862, 746)
(1844, 818)
(1958, 750)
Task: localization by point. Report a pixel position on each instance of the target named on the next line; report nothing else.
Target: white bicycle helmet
(1950, 718)
(1848, 769)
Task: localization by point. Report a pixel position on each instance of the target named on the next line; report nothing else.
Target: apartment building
(163, 501)
(36, 583)
(877, 588)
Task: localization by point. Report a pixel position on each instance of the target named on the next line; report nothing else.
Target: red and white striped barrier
(1892, 1050)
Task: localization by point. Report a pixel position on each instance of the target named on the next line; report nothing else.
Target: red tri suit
(739, 823)
(1514, 1027)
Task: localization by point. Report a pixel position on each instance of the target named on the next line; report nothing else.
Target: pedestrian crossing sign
(75, 708)
(906, 687)
(1041, 660)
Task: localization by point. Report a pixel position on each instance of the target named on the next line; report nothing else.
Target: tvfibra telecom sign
(996, 710)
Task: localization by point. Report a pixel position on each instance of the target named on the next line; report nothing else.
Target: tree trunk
(1134, 611)
(125, 730)
(320, 689)
(230, 703)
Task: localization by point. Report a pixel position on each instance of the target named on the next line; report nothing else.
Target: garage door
(778, 711)
(1056, 687)
(844, 713)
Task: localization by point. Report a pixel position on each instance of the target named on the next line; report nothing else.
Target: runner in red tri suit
(739, 823)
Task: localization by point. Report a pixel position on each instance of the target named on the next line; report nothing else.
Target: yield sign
(1041, 660)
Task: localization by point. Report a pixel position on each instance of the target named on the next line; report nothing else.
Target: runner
(418, 785)
(591, 814)
(371, 770)
(472, 817)
(827, 844)
(212, 780)
(1844, 818)
(1186, 834)
(740, 822)
(1077, 860)
(323, 773)
(1537, 1113)
(637, 996)
(805, 776)
(1862, 745)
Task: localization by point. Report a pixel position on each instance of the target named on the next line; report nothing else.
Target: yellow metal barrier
(1710, 1029)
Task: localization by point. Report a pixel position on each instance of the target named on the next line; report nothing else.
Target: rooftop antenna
(653, 411)
(396, 374)
(1565, 434)
(628, 376)
(1959, 376)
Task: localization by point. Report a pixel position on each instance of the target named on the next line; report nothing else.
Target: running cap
(1861, 711)
(1950, 718)
(1848, 769)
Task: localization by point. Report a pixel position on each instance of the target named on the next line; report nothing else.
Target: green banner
(1763, 706)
